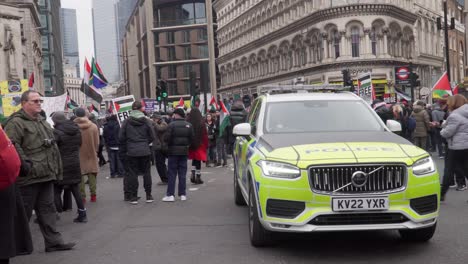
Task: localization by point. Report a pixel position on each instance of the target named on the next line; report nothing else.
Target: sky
(85, 28)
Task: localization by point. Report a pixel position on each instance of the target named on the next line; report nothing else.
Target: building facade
(71, 54)
(123, 9)
(52, 52)
(73, 83)
(167, 40)
(105, 38)
(275, 41)
(20, 42)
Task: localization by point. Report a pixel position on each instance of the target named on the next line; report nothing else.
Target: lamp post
(446, 29)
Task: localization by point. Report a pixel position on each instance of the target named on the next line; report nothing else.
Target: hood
(417, 109)
(22, 114)
(437, 107)
(137, 118)
(324, 148)
(463, 111)
(83, 122)
(68, 127)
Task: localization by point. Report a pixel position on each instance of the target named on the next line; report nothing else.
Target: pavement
(209, 228)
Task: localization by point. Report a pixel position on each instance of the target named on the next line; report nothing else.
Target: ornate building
(276, 41)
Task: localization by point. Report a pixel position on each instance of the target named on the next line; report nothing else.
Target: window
(202, 34)
(46, 63)
(186, 36)
(187, 53)
(187, 70)
(200, 13)
(203, 51)
(336, 43)
(172, 71)
(355, 39)
(373, 37)
(170, 39)
(171, 54)
(45, 42)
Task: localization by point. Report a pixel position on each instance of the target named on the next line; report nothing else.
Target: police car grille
(387, 179)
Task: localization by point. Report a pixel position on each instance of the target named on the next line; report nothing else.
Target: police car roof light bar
(282, 89)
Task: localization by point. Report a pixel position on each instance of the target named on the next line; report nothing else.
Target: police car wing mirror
(242, 129)
(394, 126)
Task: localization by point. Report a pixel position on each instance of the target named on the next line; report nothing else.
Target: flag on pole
(98, 79)
(213, 105)
(91, 92)
(94, 110)
(87, 72)
(442, 87)
(70, 103)
(31, 81)
(181, 103)
(224, 119)
(101, 73)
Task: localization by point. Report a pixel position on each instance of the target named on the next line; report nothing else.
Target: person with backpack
(15, 236)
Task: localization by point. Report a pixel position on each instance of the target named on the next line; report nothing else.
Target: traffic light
(414, 79)
(158, 93)
(163, 89)
(347, 80)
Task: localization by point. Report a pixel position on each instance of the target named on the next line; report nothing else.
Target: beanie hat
(58, 117)
(80, 112)
(180, 111)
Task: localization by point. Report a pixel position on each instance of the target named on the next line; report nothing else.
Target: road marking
(211, 180)
(193, 189)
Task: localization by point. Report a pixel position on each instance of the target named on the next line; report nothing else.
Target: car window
(320, 116)
(253, 118)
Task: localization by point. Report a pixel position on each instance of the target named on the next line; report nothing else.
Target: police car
(311, 160)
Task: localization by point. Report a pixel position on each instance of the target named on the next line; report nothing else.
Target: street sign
(402, 75)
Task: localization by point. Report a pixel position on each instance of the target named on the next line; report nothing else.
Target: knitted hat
(80, 112)
(58, 117)
(180, 111)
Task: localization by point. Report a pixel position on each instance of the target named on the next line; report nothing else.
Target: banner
(151, 105)
(123, 107)
(365, 87)
(54, 104)
(10, 92)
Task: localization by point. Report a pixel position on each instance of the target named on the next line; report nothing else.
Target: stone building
(455, 9)
(276, 41)
(20, 42)
(72, 84)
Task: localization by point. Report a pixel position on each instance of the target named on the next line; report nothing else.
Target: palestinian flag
(98, 79)
(70, 103)
(123, 105)
(213, 105)
(455, 90)
(224, 119)
(442, 87)
(91, 92)
(195, 102)
(365, 88)
(181, 103)
(94, 110)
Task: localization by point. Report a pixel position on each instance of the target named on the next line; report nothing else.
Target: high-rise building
(71, 54)
(105, 38)
(51, 47)
(123, 9)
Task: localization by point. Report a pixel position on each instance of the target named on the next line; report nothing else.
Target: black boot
(81, 217)
(198, 179)
(192, 177)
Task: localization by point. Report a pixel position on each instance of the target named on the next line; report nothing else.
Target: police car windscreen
(319, 116)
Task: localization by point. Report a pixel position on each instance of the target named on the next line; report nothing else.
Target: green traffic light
(164, 94)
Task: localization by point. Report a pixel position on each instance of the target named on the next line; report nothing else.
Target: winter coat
(438, 114)
(35, 143)
(200, 152)
(89, 145)
(455, 129)
(68, 137)
(384, 113)
(160, 130)
(237, 116)
(111, 133)
(10, 163)
(422, 121)
(136, 135)
(15, 237)
(179, 136)
(212, 130)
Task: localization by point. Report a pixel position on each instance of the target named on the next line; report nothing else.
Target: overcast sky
(85, 28)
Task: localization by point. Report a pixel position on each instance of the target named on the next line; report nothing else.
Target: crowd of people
(440, 128)
(44, 166)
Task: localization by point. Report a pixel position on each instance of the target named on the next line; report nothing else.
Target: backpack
(10, 162)
(411, 124)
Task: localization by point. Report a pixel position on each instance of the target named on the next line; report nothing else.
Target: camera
(49, 142)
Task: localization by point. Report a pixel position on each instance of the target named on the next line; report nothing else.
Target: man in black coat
(111, 138)
(178, 138)
(135, 136)
(238, 115)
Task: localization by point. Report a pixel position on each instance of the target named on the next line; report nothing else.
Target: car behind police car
(309, 162)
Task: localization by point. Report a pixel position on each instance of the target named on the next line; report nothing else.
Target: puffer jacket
(111, 133)
(160, 130)
(136, 135)
(68, 137)
(455, 129)
(422, 121)
(35, 143)
(179, 136)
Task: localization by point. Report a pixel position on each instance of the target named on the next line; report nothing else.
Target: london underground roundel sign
(402, 73)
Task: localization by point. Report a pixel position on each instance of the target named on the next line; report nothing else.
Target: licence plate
(360, 204)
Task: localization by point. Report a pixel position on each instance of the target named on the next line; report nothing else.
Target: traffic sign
(402, 75)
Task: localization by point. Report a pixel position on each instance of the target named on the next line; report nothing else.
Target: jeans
(438, 141)
(211, 153)
(160, 161)
(221, 149)
(177, 166)
(116, 166)
(75, 190)
(136, 166)
(40, 197)
(92, 184)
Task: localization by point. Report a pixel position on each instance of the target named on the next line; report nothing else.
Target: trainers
(134, 200)
(60, 247)
(149, 198)
(168, 198)
(183, 198)
(453, 186)
(462, 188)
(441, 157)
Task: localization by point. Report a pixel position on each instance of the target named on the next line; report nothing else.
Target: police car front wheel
(259, 236)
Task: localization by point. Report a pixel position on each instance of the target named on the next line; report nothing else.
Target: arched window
(336, 42)
(373, 38)
(355, 39)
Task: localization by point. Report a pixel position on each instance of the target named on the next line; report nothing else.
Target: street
(209, 228)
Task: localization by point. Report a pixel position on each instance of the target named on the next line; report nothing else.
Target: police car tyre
(418, 235)
(238, 197)
(259, 236)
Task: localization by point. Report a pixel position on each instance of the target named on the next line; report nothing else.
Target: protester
(455, 131)
(212, 130)
(102, 160)
(238, 115)
(68, 137)
(222, 139)
(136, 136)
(89, 148)
(380, 107)
(198, 146)
(160, 146)
(423, 125)
(36, 146)
(438, 115)
(179, 137)
(111, 139)
(15, 236)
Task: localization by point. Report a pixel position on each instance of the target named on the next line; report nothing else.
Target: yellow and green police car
(324, 161)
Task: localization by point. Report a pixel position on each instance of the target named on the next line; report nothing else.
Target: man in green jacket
(34, 140)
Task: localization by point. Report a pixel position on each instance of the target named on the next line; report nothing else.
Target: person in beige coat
(88, 152)
(423, 124)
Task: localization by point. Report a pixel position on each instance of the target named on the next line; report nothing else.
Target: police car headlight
(279, 170)
(424, 166)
